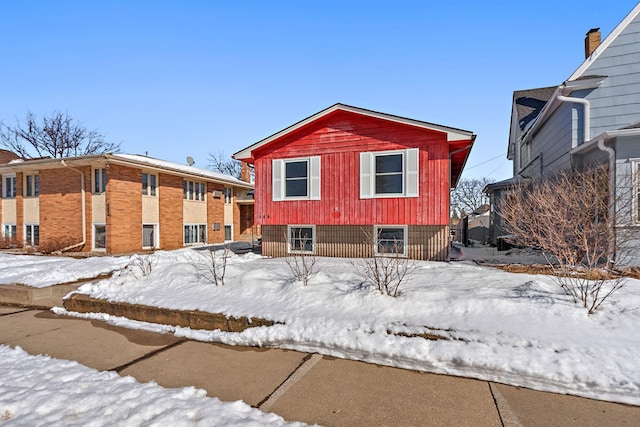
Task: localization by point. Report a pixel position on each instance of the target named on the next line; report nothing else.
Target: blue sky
(188, 78)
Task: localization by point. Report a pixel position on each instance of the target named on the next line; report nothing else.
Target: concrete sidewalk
(299, 386)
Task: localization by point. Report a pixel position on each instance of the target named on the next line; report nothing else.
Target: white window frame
(225, 230)
(410, 173)
(227, 193)
(156, 235)
(151, 187)
(11, 226)
(94, 234)
(197, 234)
(99, 180)
(278, 174)
(6, 192)
(27, 241)
(376, 233)
(196, 191)
(289, 239)
(33, 188)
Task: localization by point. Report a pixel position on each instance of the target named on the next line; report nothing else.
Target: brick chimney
(245, 172)
(591, 41)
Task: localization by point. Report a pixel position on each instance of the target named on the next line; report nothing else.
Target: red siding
(339, 138)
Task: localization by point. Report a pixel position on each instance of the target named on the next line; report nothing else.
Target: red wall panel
(339, 139)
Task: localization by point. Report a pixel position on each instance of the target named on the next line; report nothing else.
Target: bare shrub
(8, 242)
(212, 263)
(387, 269)
(571, 217)
(53, 245)
(142, 265)
(301, 258)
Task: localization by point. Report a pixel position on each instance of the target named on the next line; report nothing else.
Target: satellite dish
(190, 161)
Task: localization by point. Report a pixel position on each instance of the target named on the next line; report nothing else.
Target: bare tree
(57, 135)
(387, 270)
(302, 260)
(572, 218)
(224, 164)
(468, 196)
(212, 263)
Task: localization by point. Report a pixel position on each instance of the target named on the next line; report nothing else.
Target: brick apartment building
(120, 203)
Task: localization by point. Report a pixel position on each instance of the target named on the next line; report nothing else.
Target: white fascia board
(453, 134)
(606, 136)
(606, 43)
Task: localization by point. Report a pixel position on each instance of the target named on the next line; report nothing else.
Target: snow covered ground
(512, 328)
(38, 390)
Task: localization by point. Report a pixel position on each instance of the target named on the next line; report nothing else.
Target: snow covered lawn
(512, 328)
(38, 390)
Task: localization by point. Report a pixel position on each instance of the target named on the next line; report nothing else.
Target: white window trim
(193, 196)
(4, 187)
(99, 180)
(27, 225)
(313, 238)
(405, 246)
(196, 224)
(223, 229)
(148, 189)
(93, 237)
(278, 172)
(410, 174)
(156, 232)
(33, 184)
(9, 224)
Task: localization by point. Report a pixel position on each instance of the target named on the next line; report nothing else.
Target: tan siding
(424, 242)
(194, 212)
(31, 210)
(150, 210)
(98, 203)
(9, 211)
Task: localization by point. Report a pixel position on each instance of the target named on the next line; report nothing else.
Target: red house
(351, 182)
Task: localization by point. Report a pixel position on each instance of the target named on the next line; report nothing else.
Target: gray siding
(616, 103)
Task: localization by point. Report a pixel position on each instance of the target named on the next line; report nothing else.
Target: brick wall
(171, 224)
(124, 209)
(61, 208)
(215, 213)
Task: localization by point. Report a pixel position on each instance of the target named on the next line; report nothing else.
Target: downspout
(587, 113)
(84, 219)
(612, 188)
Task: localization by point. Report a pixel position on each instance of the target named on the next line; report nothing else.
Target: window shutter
(412, 174)
(314, 178)
(366, 178)
(277, 169)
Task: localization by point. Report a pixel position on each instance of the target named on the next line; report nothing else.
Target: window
(296, 179)
(195, 233)
(148, 184)
(389, 174)
(525, 154)
(194, 190)
(228, 195)
(99, 237)
(228, 233)
(9, 186)
(99, 180)
(33, 185)
(302, 238)
(149, 236)
(9, 231)
(32, 234)
(391, 240)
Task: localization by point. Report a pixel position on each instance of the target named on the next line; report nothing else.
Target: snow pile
(512, 328)
(38, 390)
(41, 271)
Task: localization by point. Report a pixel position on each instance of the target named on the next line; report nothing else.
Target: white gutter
(587, 113)
(84, 219)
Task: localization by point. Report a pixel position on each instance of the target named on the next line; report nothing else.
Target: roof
(127, 160)
(527, 105)
(6, 156)
(460, 141)
(605, 43)
(453, 134)
(577, 80)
